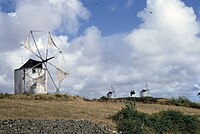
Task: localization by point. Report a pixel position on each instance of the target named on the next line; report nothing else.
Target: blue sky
(7, 5)
(120, 43)
(114, 16)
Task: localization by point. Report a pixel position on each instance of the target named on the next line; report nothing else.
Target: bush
(130, 127)
(129, 121)
(129, 112)
(180, 101)
(183, 101)
(140, 99)
(176, 122)
(4, 96)
(103, 98)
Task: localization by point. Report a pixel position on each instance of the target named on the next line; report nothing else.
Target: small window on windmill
(33, 70)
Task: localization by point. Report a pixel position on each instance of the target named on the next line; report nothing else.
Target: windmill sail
(51, 43)
(27, 45)
(61, 75)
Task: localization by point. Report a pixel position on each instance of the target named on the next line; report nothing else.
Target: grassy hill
(72, 107)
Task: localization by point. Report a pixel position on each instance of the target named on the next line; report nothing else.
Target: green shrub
(183, 101)
(129, 112)
(175, 122)
(140, 99)
(130, 127)
(4, 96)
(86, 99)
(129, 121)
(180, 101)
(103, 98)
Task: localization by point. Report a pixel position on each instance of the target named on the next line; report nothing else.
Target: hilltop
(99, 111)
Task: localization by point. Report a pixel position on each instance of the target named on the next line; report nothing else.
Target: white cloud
(71, 11)
(167, 46)
(52, 15)
(55, 16)
(84, 54)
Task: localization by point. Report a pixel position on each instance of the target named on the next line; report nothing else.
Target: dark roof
(32, 63)
(143, 90)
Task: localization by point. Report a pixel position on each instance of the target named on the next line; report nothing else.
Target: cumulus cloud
(167, 45)
(48, 15)
(52, 15)
(84, 55)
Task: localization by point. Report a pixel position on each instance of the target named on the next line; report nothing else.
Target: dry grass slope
(70, 107)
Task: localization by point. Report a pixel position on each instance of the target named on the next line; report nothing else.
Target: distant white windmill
(32, 76)
(145, 91)
(111, 93)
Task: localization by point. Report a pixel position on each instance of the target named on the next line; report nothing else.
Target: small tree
(132, 93)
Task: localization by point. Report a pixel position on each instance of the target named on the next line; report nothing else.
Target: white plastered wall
(31, 81)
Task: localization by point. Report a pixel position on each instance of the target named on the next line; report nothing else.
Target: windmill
(32, 76)
(145, 91)
(111, 93)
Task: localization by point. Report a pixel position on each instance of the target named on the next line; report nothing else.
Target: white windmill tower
(32, 77)
(145, 91)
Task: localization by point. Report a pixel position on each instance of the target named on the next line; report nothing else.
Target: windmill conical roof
(32, 63)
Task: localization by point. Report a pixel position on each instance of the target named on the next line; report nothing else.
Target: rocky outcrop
(51, 127)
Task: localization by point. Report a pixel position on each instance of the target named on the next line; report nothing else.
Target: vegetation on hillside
(180, 101)
(43, 97)
(129, 120)
(183, 101)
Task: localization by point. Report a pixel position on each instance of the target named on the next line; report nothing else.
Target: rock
(51, 126)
